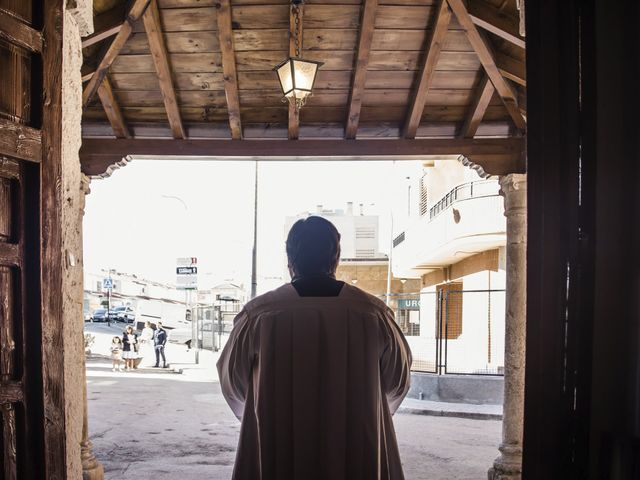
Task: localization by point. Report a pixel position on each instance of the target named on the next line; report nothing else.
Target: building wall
(373, 279)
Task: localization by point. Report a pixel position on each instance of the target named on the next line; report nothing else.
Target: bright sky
(150, 212)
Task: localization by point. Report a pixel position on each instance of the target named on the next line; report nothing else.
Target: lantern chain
(296, 30)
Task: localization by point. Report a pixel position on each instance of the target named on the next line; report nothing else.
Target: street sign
(107, 283)
(187, 270)
(408, 304)
(187, 273)
(187, 282)
(186, 261)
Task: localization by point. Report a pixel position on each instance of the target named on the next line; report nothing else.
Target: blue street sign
(107, 283)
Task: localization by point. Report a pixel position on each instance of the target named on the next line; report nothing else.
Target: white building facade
(450, 232)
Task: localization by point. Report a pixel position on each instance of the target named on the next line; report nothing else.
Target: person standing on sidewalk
(146, 349)
(129, 345)
(314, 370)
(159, 341)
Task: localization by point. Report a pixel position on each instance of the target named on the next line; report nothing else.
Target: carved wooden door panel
(31, 399)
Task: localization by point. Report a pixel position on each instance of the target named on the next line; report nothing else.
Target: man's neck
(317, 286)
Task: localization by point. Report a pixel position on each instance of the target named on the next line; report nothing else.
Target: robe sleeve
(235, 364)
(395, 362)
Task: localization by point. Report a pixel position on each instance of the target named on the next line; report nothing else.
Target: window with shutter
(449, 311)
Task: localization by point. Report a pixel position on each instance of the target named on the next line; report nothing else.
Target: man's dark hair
(313, 247)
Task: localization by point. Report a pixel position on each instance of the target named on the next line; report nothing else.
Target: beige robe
(315, 381)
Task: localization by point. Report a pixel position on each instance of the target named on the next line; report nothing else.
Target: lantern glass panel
(286, 79)
(305, 73)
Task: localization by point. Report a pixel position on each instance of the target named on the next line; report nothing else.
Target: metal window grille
(423, 195)
(453, 331)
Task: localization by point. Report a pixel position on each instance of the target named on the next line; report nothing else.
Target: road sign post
(108, 284)
(187, 280)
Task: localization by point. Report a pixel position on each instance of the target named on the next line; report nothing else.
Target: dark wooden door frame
(51, 253)
(33, 387)
(582, 401)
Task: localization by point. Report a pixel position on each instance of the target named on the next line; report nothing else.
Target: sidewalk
(446, 409)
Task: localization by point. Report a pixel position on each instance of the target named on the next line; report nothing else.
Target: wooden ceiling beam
(136, 11)
(479, 44)
(443, 17)
(497, 156)
(229, 68)
(493, 20)
(106, 25)
(112, 110)
(478, 108)
(19, 33)
(367, 26)
(294, 113)
(151, 20)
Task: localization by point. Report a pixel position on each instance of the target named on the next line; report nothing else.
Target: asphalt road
(155, 424)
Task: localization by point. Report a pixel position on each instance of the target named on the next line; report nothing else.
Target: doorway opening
(147, 216)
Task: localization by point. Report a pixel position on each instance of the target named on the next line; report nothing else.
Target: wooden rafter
(136, 11)
(511, 68)
(294, 113)
(443, 17)
(478, 108)
(493, 20)
(367, 26)
(112, 109)
(105, 25)
(479, 44)
(19, 33)
(229, 68)
(151, 20)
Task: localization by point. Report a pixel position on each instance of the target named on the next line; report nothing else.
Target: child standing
(116, 354)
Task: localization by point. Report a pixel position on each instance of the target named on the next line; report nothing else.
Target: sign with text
(408, 304)
(187, 270)
(107, 283)
(186, 261)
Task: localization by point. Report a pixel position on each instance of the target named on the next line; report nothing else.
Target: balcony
(469, 219)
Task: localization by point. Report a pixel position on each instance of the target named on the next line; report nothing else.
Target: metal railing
(453, 331)
(477, 189)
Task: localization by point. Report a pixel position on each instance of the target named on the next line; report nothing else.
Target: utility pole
(254, 254)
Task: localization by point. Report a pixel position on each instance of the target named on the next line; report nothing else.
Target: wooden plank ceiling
(385, 72)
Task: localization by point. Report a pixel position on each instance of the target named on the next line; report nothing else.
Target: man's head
(159, 325)
(313, 248)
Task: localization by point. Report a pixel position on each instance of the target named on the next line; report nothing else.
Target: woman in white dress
(146, 343)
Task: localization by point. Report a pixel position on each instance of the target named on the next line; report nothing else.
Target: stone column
(78, 22)
(91, 468)
(508, 466)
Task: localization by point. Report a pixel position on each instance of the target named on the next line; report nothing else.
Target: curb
(448, 413)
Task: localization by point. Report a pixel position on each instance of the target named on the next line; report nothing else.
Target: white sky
(130, 224)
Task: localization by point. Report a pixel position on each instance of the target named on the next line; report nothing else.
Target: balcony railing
(477, 189)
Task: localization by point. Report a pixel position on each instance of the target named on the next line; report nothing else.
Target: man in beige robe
(314, 370)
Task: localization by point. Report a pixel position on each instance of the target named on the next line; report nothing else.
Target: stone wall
(78, 21)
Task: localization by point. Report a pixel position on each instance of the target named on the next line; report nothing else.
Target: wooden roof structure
(429, 77)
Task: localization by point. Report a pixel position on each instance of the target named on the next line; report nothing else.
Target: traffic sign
(186, 261)
(187, 270)
(107, 283)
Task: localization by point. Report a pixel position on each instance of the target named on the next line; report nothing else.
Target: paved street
(163, 425)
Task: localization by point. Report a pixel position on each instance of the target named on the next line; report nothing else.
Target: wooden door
(32, 427)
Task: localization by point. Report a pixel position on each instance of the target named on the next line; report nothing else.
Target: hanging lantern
(297, 75)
